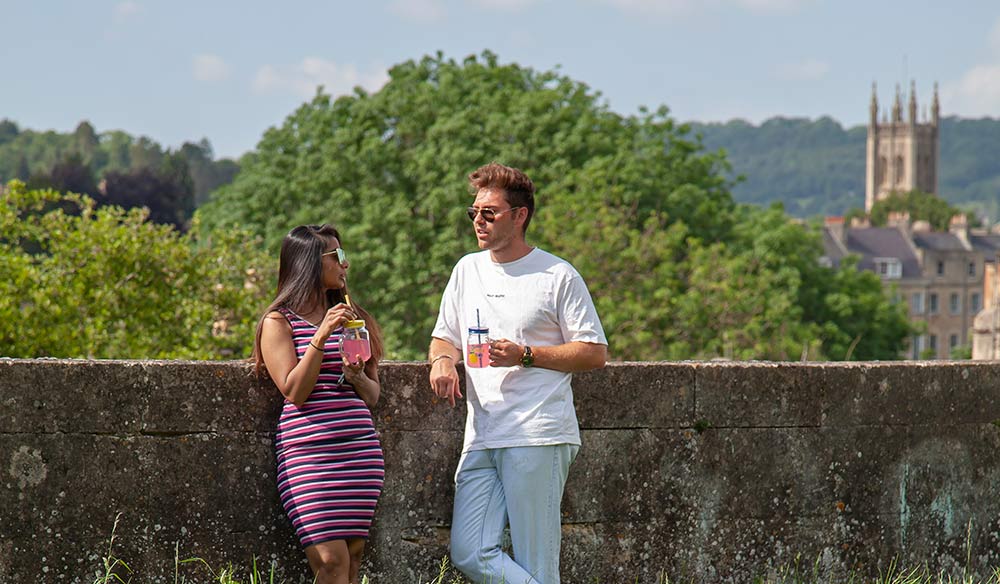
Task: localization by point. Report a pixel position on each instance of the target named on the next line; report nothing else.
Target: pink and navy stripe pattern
(330, 465)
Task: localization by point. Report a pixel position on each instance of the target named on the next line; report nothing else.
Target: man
(521, 432)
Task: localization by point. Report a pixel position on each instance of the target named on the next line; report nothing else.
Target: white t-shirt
(538, 300)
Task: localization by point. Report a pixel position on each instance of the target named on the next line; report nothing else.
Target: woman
(330, 466)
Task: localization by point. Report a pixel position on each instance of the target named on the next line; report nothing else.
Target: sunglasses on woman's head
(489, 215)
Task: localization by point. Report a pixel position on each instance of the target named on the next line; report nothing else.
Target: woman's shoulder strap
(288, 314)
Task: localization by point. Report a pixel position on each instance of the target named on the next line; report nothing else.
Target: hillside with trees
(817, 167)
(115, 168)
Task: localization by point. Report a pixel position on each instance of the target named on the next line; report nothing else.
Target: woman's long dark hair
(300, 284)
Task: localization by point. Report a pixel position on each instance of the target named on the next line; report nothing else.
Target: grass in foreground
(114, 570)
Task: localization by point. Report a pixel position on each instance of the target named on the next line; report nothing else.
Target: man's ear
(521, 218)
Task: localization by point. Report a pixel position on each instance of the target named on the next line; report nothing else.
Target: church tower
(902, 155)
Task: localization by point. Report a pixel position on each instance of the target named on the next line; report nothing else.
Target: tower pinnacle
(873, 108)
(935, 106)
(897, 107)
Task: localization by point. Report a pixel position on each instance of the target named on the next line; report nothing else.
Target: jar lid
(354, 324)
(479, 330)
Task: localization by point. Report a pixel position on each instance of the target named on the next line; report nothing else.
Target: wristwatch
(527, 360)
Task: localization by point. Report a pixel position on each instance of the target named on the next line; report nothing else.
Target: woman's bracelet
(439, 357)
(311, 344)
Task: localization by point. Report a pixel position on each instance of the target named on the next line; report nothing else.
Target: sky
(182, 70)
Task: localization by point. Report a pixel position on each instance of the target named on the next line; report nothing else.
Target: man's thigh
(480, 512)
(533, 479)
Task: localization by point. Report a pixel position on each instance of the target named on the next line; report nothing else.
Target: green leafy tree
(206, 173)
(117, 145)
(859, 318)
(8, 131)
(389, 168)
(180, 198)
(103, 282)
(72, 174)
(676, 268)
(145, 153)
(920, 206)
(86, 143)
(165, 199)
(854, 317)
(23, 172)
(855, 213)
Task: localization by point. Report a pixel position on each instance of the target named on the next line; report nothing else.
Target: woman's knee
(329, 559)
(334, 565)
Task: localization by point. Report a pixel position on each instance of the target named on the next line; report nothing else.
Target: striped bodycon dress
(330, 466)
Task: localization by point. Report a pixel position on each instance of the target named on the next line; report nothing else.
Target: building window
(918, 345)
(940, 268)
(917, 303)
(889, 268)
(932, 304)
(932, 343)
(972, 269)
(954, 303)
(899, 170)
(953, 341)
(975, 303)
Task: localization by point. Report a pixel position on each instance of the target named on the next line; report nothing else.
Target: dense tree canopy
(677, 269)
(169, 182)
(80, 281)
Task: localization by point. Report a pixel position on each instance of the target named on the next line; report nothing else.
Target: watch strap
(528, 359)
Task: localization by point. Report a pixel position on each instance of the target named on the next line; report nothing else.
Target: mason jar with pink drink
(478, 347)
(355, 342)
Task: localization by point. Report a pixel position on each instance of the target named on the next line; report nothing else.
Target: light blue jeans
(523, 486)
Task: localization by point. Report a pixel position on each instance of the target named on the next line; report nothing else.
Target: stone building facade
(901, 155)
(986, 326)
(941, 276)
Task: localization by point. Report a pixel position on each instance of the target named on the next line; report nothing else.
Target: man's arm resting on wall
(569, 357)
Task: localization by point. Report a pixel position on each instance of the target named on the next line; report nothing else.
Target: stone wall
(707, 472)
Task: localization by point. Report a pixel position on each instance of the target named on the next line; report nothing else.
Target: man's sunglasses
(489, 215)
(341, 255)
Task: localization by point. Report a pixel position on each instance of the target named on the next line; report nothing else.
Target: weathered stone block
(912, 393)
(641, 395)
(180, 398)
(649, 477)
(70, 396)
(407, 402)
(758, 394)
